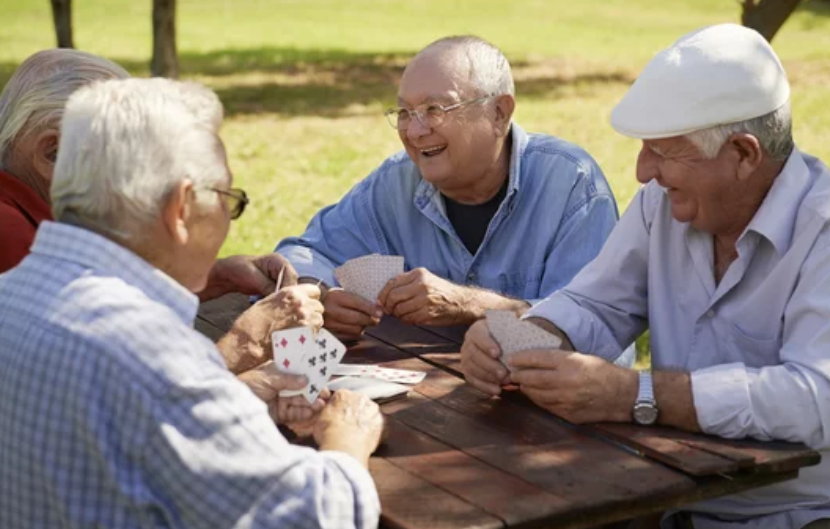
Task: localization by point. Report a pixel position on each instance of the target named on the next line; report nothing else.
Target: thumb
(266, 381)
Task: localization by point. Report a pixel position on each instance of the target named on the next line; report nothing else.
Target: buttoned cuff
(721, 399)
(363, 485)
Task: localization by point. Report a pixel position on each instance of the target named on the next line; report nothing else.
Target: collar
(775, 219)
(24, 198)
(90, 250)
(426, 191)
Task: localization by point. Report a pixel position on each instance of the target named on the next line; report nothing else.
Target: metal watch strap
(646, 392)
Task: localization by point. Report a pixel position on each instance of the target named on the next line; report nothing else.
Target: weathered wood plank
(498, 492)
(702, 455)
(409, 502)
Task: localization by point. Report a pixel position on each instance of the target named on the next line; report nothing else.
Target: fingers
(396, 282)
(539, 359)
(479, 360)
(266, 381)
(347, 315)
(305, 289)
(404, 290)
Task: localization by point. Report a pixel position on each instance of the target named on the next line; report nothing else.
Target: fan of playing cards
(366, 276)
(299, 352)
(514, 335)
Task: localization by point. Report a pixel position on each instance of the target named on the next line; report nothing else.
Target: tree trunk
(62, 15)
(767, 16)
(165, 61)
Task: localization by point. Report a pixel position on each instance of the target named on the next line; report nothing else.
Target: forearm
(475, 302)
(217, 284)
(673, 393)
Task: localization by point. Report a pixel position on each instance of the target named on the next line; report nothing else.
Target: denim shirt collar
(427, 193)
(79, 245)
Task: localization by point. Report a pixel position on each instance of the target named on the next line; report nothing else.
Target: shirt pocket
(522, 283)
(753, 351)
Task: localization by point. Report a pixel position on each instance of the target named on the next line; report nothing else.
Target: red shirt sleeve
(16, 236)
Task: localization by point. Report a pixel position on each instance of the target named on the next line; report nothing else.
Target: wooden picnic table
(455, 458)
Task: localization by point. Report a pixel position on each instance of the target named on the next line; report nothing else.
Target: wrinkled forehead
(435, 76)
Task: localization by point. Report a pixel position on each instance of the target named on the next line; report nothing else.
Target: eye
(434, 111)
(402, 114)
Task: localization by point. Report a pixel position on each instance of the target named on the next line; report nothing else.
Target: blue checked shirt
(556, 215)
(115, 413)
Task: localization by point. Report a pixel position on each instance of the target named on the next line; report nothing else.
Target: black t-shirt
(471, 222)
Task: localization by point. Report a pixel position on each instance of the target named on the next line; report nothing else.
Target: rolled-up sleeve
(336, 234)
(605, 307)
(790, 401)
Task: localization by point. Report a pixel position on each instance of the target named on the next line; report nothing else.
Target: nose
(416, 128)
(647, 166)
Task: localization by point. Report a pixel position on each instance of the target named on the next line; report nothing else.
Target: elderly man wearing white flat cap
(724, 255)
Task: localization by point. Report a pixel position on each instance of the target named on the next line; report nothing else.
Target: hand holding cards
(366, 276)
(297, 351)
(514, 335)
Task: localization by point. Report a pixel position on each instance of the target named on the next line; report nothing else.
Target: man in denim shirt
(485, 215)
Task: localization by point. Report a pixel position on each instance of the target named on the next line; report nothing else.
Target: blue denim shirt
(554, 219)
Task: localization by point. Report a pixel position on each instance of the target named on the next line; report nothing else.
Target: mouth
(430, 152)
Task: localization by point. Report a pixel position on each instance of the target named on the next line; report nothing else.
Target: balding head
(479, 67)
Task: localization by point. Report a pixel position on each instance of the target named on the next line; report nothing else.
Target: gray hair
(126, 144)
(773, 131)
(34, 97)
(489, 68)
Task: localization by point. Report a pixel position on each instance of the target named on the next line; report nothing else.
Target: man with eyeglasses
(115, 411)
(485, 215)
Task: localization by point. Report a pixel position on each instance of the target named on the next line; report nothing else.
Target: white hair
(126, 144)
(773, 131)
(34, 97)
(489, 69)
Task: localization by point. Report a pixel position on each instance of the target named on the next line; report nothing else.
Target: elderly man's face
(703, 192)
(457, 153)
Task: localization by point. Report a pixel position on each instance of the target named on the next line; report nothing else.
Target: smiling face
(465, 148)
(710, 194)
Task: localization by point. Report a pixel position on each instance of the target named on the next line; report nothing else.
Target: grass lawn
(304, 82)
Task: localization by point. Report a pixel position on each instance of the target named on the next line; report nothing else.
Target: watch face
(645, 413)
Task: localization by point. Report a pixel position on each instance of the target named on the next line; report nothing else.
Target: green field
(304, 82)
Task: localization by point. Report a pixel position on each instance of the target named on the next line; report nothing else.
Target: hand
(347, 315)
(295, 306)
(247, 274)
(479, 360)
(421, 297)
(579, 388)
(248, 342)
(350, 423)
(266, 382)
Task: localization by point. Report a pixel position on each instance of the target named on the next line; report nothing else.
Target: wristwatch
(645, 408)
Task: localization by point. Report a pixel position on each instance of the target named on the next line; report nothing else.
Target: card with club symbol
(299, 352)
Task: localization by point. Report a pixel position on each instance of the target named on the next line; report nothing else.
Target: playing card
(323, 357)
(401, 376)
(367, 275)
(514, 335)
(289, 346)
(372, 388)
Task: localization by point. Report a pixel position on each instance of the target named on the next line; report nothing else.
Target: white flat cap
(713, 76)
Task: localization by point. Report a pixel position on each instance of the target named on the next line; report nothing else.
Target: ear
(44, 153)
(750, 154)
(505, 105)
(177, 211)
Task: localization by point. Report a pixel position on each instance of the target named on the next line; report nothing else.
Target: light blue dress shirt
(757, 344)
(115, 413)
(556, 215)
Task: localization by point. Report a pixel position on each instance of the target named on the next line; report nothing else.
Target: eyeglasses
(430, 117)
(236, 200)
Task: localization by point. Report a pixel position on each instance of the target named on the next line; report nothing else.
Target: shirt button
(471, 276)
(710, 313)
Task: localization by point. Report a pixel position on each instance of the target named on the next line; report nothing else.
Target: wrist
(626, 395)
(357, 446)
